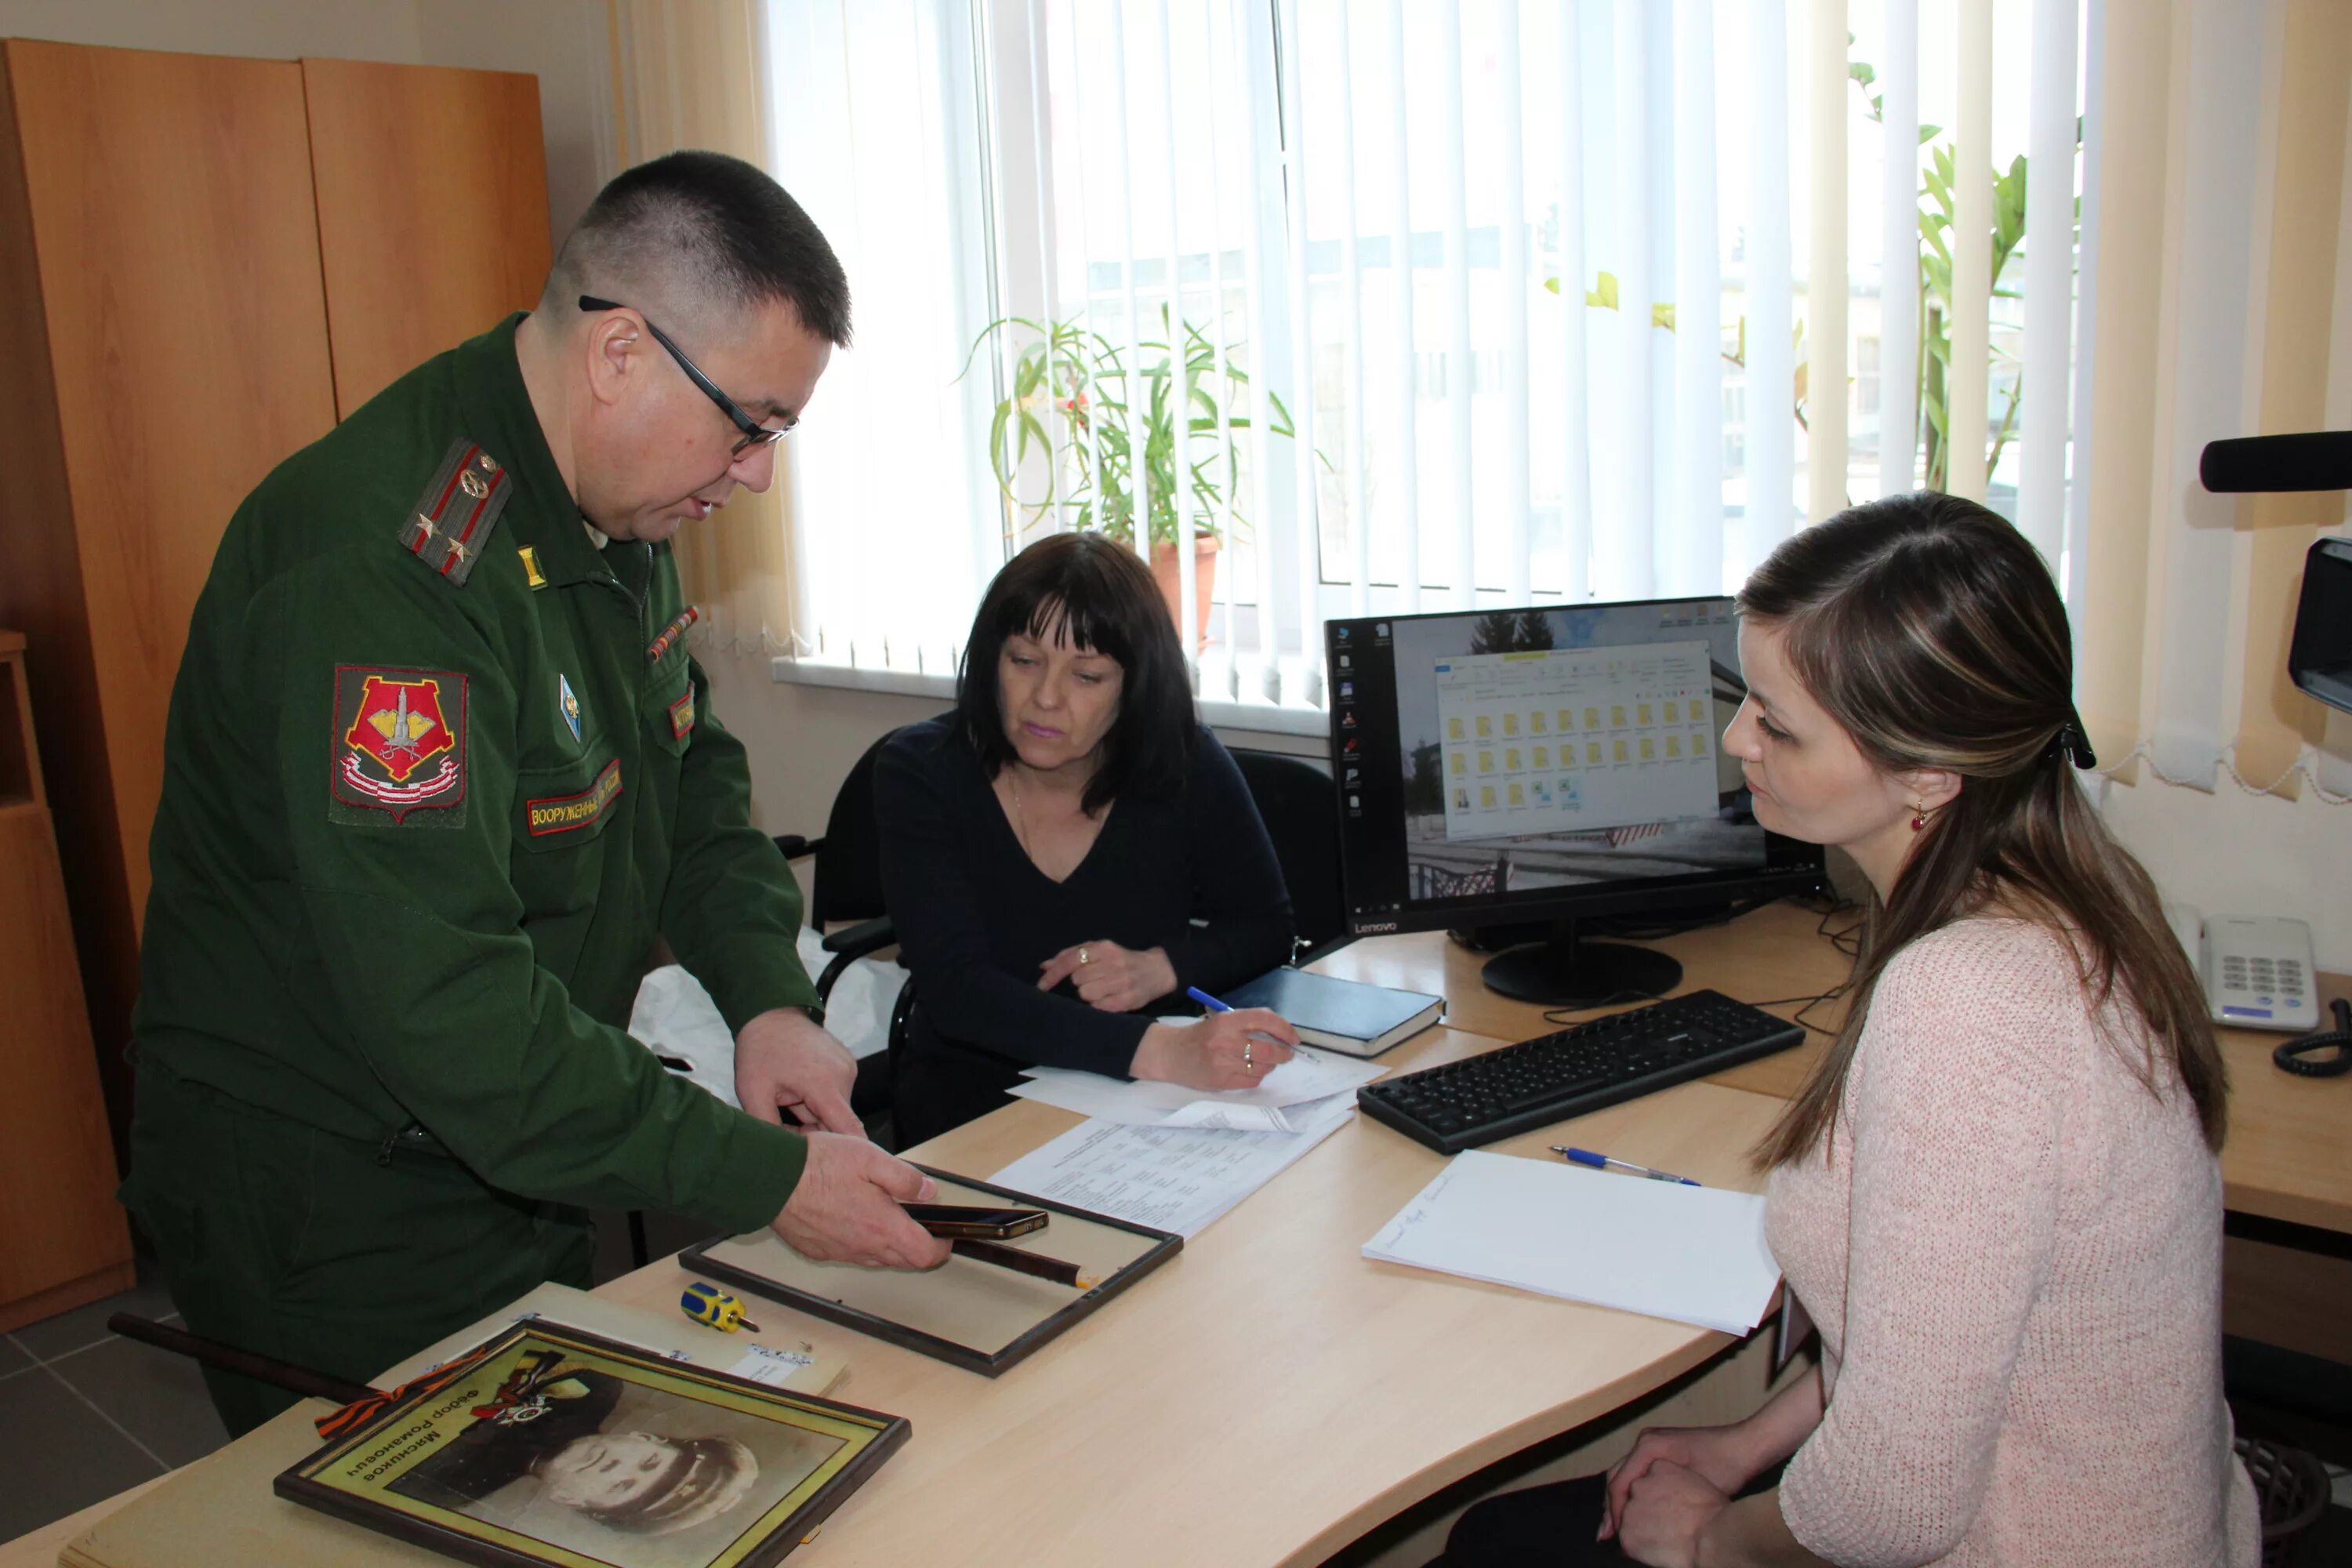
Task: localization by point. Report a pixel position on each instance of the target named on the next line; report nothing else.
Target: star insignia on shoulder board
(425, 524)
(457, 550)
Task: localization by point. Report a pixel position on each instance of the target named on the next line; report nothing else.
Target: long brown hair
(1931, 631)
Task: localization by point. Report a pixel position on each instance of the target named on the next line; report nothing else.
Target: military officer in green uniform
(439, 769)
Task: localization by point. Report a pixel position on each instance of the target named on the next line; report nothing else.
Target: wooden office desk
(2289, 1153)
(1267, 1395)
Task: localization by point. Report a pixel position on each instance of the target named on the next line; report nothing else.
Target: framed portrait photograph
(555, 1446)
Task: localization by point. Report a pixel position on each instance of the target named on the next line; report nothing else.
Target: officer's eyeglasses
(754, 433)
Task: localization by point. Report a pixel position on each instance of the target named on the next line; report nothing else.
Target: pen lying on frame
(1020, 1262)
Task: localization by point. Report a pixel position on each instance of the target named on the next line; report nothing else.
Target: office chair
(845, 884)
(1295, 801)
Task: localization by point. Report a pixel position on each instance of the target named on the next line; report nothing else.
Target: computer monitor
(1549, 765)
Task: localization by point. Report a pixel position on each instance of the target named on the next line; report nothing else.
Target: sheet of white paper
(1695, 1254)
(1311, 1075)
(764, 1364)
(1178, 1179)
(1304, 1117)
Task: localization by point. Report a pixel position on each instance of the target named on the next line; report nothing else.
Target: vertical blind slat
(1964, 420)
(1461, 367)
(1041, 143)
(1575, 432)
(1825, 279)
(1772, 291)
(1180, 379)
(1138, 472)
(1623, 558)
(1229, 686)
(1898, 269)
(1085, 312)
(1693, 553)
(2049, 281)
(1517, 501)
(1254, 289)
(1352, 287)
(1302, 361)
(1408, 432)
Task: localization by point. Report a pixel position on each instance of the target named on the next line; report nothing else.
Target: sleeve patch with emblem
(451, 523)
(562, 813)
(399, 746)
(681, 715)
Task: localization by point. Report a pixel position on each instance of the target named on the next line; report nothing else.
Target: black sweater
(976, 917)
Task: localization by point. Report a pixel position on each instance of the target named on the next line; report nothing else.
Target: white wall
(265, 29)
(2233, 853)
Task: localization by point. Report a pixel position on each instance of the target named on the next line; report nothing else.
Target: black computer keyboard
(1582, 1067)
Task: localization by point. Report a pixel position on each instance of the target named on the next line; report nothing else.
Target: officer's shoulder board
(451, 521)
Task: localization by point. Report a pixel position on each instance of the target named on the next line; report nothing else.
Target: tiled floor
(85, 1413)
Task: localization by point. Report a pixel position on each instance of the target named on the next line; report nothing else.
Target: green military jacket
(438, 773)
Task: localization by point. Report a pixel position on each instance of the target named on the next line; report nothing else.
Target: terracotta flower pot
(1204, 581)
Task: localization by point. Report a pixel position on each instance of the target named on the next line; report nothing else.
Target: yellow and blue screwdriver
(709, 1305)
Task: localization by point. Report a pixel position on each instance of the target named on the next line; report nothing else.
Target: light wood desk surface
(1265, 1396)
(1270, 1393)
(2289, 1151)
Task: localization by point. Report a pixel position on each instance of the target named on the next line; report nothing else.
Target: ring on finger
(1084, 957)
(1247, 1064)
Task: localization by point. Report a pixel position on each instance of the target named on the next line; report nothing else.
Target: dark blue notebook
(1344, 1015)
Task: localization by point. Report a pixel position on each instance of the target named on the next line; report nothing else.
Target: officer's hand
(845, 1209)
(784, 1061)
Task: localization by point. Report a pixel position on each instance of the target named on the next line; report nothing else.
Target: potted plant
(1073, 390)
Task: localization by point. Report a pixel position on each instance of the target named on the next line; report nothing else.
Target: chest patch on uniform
(399, 745)
(681, 715)
(567, 704)
(451, 521)
(562, 813)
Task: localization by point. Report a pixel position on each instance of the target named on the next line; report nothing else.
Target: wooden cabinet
(208, 260)
(432, 188)
(62, 1240)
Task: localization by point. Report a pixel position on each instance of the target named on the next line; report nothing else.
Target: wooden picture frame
(564, 1449)
(969, 1314)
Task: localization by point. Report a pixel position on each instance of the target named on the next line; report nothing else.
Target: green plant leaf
(1604, 293)
(1928, 133)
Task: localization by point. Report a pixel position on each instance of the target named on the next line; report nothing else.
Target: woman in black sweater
(1069, 850)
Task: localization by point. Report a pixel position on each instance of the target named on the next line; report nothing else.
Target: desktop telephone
(2259, 972)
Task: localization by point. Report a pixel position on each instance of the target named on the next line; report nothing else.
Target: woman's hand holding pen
(1114, 978)
(1224, 1050)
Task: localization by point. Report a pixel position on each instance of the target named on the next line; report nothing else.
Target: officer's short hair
(717, 230)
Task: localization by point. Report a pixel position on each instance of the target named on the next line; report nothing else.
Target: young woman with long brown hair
(1997, 1196)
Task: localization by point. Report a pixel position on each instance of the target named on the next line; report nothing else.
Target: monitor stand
(1563, 971)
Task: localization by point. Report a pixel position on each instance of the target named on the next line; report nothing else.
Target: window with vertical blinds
(1472, 301)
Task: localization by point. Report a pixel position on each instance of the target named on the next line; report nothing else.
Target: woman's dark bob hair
(1088, 592)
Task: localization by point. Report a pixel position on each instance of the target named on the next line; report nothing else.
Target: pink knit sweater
(2013, 1252)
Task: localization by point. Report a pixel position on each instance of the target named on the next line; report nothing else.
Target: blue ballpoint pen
(1611, 1162)
(1213, 1005)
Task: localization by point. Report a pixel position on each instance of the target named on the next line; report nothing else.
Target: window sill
(1256, 718)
